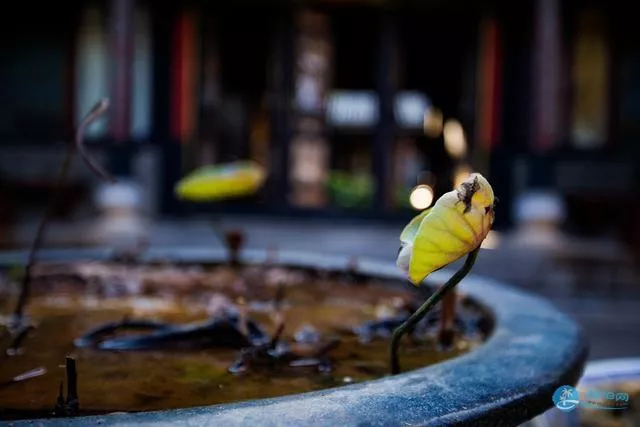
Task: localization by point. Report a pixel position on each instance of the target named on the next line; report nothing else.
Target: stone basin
(508, 380)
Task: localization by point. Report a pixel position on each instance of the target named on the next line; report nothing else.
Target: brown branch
(100, 108)
(446, 333)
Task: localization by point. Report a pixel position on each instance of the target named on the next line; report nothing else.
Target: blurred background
(362, 113)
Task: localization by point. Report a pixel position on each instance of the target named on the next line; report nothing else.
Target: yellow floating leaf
(218, 182)
(456, 224)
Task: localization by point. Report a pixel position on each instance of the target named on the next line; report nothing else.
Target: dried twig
(17, 324)
(73, 402)
(71, 406)
(234, 240)
(33, 373)
(59, 407)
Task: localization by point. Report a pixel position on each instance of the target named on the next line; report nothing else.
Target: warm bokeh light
(461, 173)
(421, 197)
(433, 122)
(454, 139)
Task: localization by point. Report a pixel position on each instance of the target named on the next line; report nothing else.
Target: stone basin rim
(532, 350)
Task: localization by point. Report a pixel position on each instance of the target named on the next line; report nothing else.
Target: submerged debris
(444, 321)
(372, 329)
(307, 334)
(94, 337)
(223, 331)
(277, 354)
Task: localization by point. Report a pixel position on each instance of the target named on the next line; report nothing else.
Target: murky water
(69, 300)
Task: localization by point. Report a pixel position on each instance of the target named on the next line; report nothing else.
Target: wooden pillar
(121, 41)
(209, 150)
(121, 52)
(163, 34)
(547, 76)
(489, 86)
(387, 80)
(281, 110)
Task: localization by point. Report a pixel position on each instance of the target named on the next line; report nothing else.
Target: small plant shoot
(454, 227)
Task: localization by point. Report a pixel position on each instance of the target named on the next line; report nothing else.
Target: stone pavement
(607, 309)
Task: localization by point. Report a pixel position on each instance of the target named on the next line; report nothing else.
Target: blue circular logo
(566, 398)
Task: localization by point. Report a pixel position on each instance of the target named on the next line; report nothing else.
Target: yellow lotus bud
(456, 224)
(218, 182)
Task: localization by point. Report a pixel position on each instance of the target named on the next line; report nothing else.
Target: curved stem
(424, 309)
(95, 112)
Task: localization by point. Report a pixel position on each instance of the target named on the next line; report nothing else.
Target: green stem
(424, 309)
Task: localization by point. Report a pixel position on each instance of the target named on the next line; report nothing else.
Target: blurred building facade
(349, 105)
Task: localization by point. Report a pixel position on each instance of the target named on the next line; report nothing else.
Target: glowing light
(421, 197)
(352, 109)
(433, 122)
(461, 173)
(454, 140)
